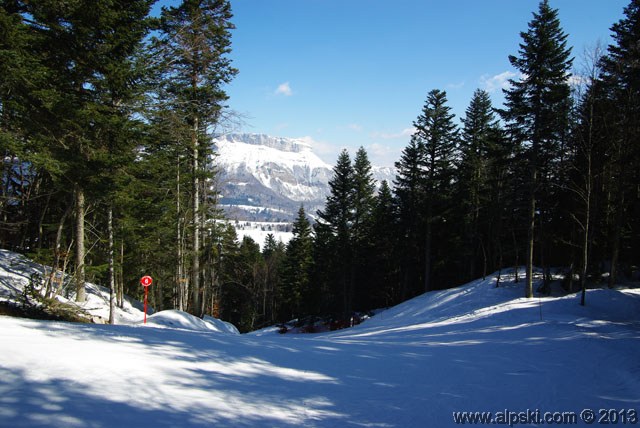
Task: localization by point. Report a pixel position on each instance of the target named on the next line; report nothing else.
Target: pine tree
(437, 135)
(538, 106)
(335, 224)
(383, 257)
(479, 133)
(363, 206)
(79, 112)
(274, 252)
(298, 296)
(194, 43)
(621, 79)
(21, 74)
(409, 196)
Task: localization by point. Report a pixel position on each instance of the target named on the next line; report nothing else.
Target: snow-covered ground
(16, 272)
(258, 231)
(473, 348)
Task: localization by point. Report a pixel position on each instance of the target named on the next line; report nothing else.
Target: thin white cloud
(453, 86)
(498, 81)
(405, 133)
(384, 155)
(355, 127)
(326, 151)
(284, 89)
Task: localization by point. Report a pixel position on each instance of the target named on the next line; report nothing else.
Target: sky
(351, 73)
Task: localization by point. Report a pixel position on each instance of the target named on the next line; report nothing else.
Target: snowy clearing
(472, 348)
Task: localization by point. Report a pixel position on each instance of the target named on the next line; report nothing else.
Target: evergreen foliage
(298, 297)
(537, 115)
(335, 225)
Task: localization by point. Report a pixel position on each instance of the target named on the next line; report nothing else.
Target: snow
(180, 320)
(267, 178)
(235, 149)
(16, 272)
(259, 230)
(472, 348)
(283, 163)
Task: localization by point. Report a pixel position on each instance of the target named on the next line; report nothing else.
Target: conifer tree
(274, 252)
(363, 206)
(621, 78)
(80, 109)
(298, 296)
(479, 132)
(335, 224)
(437, 135)
(363, 193)
(409, 195)
(20, 75)
(538, 106)
(383, 257)
(194, 43)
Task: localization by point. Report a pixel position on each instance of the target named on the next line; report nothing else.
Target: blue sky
(350, 73)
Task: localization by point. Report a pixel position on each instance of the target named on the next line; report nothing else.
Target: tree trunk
(195, 268)
(428, 242)
(120, 293)
(112, 279)
(585, 236)
(80, 252)
(41, 221)
(51, 289)
(530, 235)
(427, 257)
(180, 266)
(615, 251)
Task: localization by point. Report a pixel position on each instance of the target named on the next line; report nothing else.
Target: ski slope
(472, 348)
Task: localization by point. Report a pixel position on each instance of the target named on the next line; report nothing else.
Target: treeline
(104, 123)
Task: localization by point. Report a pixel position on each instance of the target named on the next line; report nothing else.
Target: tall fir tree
(363, 205)
(22, 74)
(274, 252)
(478, 140)
(80, 109)
(621, 79)
(382, 262)
(437, 136)
(409, 195)
(537, 110)
(194, 45)
(298, 296)
(335, 225)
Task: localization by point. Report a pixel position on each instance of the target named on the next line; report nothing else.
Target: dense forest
(106, 114)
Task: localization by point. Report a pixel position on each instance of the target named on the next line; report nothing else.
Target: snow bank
(181, 320)
(16, 272)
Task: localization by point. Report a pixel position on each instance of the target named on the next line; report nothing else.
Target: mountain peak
(283, 144)
(267, 178)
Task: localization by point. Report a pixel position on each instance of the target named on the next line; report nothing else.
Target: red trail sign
(146, 281)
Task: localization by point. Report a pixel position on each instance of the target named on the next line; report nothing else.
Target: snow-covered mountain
(268, 178)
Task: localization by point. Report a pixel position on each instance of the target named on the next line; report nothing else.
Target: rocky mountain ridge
(265, 178)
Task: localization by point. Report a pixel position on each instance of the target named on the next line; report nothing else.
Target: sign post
(146, 281)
